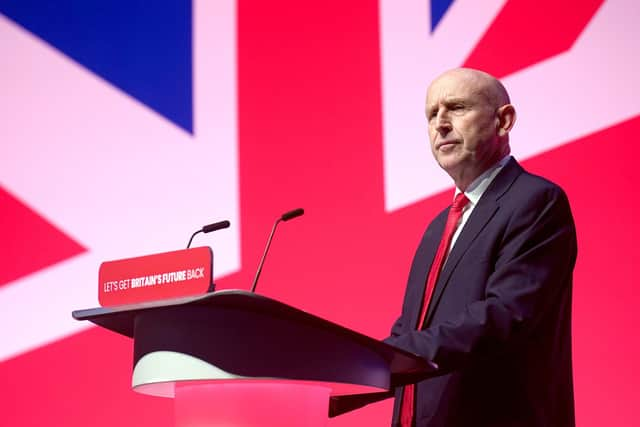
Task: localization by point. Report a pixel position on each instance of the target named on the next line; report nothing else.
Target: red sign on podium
(153, 277)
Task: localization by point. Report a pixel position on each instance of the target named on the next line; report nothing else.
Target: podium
(232, 357)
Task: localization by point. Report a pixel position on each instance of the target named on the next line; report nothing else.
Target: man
(489, 292)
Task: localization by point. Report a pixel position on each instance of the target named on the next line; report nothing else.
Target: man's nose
(443, 124)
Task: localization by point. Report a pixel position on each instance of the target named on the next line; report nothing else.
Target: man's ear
(506, 116)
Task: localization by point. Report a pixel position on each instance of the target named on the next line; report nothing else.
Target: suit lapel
(487, 206)
(422, 264)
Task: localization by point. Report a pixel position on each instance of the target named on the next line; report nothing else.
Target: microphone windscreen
(292, 214)
(215, 226)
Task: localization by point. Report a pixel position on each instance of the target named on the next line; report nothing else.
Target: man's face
(463, 126)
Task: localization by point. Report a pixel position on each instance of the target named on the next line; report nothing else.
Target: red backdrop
(310, 133)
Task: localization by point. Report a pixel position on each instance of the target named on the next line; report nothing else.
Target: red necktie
(455, 213)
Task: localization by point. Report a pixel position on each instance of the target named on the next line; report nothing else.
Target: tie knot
(459, 202)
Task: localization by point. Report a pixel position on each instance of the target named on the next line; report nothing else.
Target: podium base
(250, 404)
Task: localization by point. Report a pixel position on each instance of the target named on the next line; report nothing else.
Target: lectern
(235, 358)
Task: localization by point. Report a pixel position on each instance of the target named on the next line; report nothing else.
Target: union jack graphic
(277, 106)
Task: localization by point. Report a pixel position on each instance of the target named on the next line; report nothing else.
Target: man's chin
(450, 163)
(454, 166)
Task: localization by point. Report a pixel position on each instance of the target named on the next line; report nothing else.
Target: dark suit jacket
(499, 321)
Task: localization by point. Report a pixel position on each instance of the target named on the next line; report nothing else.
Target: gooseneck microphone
(285, 217)
(292, 214)
(209, 228)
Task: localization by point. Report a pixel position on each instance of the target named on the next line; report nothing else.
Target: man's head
(469, 116)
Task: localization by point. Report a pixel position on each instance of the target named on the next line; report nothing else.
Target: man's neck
(466, 177)
(464, 183)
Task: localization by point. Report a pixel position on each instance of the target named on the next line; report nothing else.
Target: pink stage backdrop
(296, 104)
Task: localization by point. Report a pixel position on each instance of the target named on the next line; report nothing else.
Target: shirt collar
(476, 189)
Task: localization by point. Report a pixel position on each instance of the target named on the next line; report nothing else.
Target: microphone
(215, 226)
(209, 228)
(285, 217)
(292, 214)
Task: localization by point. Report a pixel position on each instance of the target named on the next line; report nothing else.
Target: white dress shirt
(475, 190)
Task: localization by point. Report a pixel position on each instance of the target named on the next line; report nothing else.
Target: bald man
(488, 297)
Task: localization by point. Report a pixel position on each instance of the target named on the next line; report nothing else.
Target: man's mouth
(445, 144)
